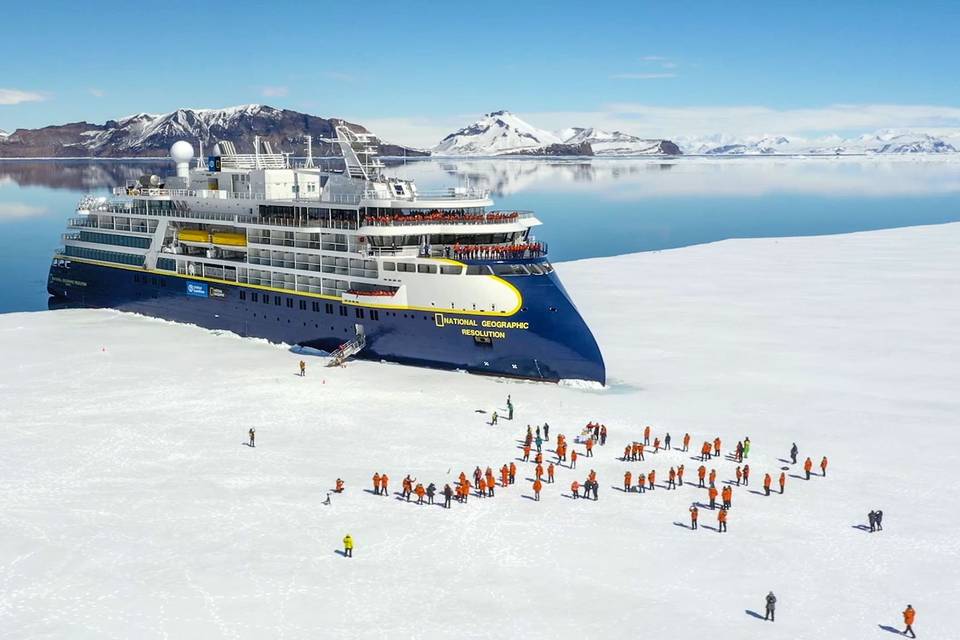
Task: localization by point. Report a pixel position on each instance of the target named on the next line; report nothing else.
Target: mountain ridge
(150, 135)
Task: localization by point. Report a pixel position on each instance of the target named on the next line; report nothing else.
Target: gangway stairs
(348, 349)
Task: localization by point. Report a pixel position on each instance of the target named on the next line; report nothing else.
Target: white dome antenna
(182, 152)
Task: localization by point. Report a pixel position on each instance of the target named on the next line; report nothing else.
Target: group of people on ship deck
(497, 252)
(441, 217)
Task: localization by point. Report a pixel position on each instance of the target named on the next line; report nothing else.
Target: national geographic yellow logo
(441, 321)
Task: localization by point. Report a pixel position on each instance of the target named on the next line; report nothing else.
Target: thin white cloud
(642, 76)
(16, 96)
(338, 75)
(96, 93)
(274, 91)
(653, 58)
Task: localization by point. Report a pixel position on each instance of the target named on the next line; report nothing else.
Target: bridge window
(389, 266)
(426, 268)
(405, 266)
(479, 270)
(451, 269)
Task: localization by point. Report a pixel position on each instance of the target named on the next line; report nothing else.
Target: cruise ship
(348, 261)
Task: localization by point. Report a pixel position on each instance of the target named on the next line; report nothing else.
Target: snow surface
(131, 508)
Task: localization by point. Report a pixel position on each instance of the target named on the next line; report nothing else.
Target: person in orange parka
(376, 484)
(713, 477)
(481, 488)
(338, 487)
(705, 452)
(626, 452)
(550, 472)
(746, 475)
(739, 475)
(538, 459)
(640, 448)
(686, 441)
(909, 615)
(656, 445)
(513, 473)
(420, 491)
(465, 490)
(590, 448)
(694, 514)
(575, 489)
(504, 475)
(701, 474)
(680, 471)
(712, 492)
(722, 520)
(646, 435)
(727, 496)
(766, 483)
(823, 466)
(652, 479)
(573, 459)
(627, 481)
(641, 483)
(808, 466)
(672, 479)
(490, 479)
(716, 446)
(526, 453)
(592, 476)
(538, 472)
(783, 481)
(384, 484)
(537, 486)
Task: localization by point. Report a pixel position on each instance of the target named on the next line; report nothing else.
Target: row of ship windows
(474, 269)
(116, 239)
(103, 256)
(315, 306)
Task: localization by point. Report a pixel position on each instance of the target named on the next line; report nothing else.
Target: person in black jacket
(771, 606)
(447, 494)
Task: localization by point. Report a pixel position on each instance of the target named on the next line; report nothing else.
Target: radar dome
(181, 151)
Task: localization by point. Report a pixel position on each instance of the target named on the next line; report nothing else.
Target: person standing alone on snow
(793, 453)
(253, 436)
(771, 606)
(909, 615)
(347, 546)
(303, 368)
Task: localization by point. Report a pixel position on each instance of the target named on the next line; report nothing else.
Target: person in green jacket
(746, 447)
(347, 546)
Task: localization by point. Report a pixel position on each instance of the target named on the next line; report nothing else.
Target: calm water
(589, 208)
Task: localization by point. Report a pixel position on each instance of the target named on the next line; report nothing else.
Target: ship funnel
(182, 152)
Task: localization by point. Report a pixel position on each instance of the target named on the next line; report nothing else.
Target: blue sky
(414, 70)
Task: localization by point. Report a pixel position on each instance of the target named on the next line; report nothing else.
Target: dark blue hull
(546, 340)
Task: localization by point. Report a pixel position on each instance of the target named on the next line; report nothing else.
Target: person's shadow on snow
(340, 552)
(889, 628)
(753, 613)
(861, 527)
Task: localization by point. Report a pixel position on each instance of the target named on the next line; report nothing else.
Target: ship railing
(490, 217)
(453, 193)
(341, 198)
(215, 194)
(67, 237)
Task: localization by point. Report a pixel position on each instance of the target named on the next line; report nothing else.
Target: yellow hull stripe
(322, 296)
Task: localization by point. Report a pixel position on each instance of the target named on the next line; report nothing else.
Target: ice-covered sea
(130, 507)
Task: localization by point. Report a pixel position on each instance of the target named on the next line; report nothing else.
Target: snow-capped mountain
(617, 143)
(495, 133)
(502, 133)
(145, 134)
(3, 134)
(881, 142)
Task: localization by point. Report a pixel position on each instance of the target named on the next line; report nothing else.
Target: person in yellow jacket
(347, 546)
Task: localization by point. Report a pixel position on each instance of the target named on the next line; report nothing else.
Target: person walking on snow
(652, 479)
(504, 475)
(420, 491)
(739, 475)
(493, 419)
(793, 453)
(727, 496)
(771, 606)
(509, 409)
(550, 472)
(694, 514)
(603, 435)
(909, 615)
(823, 467)
(253, 436)
(783, 481)
(716, 446)
(722, 520)
(808, 466)
(713, 477)
(526, 453)
(347, 546)
(575, 489)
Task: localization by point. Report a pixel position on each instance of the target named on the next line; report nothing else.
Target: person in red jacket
(746, 475)
(722, 519)
(766, 483)
(537, 486)
(338, 487)
(823, 466)
(909, 615)
(526, 453)
(808, 466)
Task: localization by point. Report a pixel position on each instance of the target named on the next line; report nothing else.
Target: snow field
(131, 507)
